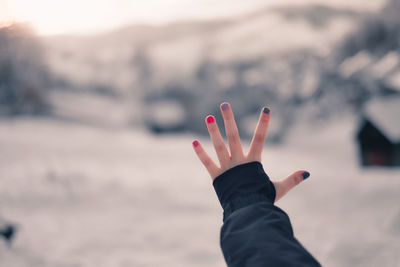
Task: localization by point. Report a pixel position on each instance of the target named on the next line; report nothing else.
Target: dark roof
(384, 113)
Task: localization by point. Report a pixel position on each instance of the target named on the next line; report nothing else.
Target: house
(379, 133)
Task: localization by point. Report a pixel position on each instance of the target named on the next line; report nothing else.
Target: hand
(236, 156)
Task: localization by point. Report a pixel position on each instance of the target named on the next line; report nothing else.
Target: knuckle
(233, 137)
(297, 179)
(228, 115)
(214, 127)
(229, 118)
(219, 147)
(259, 138)
(206, 162)
(251, 157)
(264, 119)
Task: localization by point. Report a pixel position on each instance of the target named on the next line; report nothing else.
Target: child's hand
(236, 156)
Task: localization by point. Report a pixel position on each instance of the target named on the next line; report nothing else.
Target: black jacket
(255, 231)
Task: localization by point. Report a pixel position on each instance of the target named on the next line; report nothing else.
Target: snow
(394, 80)
(355, 63)
(384, 113)
(385, 65)
(91, 196)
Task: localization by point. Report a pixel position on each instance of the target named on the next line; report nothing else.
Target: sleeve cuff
(243, 185)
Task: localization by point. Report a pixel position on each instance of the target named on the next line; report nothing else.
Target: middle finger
(232, 132)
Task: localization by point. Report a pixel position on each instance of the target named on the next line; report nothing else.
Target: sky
(91, 16)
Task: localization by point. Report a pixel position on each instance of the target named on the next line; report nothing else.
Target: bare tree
(23, 73)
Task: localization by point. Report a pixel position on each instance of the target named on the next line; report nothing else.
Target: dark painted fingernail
(195, 143)
(266, 110)
(225, 106)
(210, 119)
(305, 175)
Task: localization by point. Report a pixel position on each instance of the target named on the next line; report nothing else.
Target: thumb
(283, 186)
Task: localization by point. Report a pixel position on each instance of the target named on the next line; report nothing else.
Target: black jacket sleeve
(255, 231)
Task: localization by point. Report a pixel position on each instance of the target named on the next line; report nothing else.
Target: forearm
(261, 234)
(255, 231)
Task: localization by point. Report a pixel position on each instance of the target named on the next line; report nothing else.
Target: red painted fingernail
(210, 119)
(195, 143)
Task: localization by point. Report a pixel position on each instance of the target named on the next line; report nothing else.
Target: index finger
(257, 143)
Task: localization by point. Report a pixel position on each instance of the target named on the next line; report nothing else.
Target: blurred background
(100, 101)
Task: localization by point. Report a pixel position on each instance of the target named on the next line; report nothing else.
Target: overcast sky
(91, 16)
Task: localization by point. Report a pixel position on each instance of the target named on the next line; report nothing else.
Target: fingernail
(266, 110)
(210, 119)
(225, 106)
(305, 175)
(195, 143)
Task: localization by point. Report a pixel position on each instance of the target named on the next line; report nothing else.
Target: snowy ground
(87, 196)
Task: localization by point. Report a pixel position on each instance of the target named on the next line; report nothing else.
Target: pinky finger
(211, 167)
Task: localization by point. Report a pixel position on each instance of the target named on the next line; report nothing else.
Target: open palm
(235, 156)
